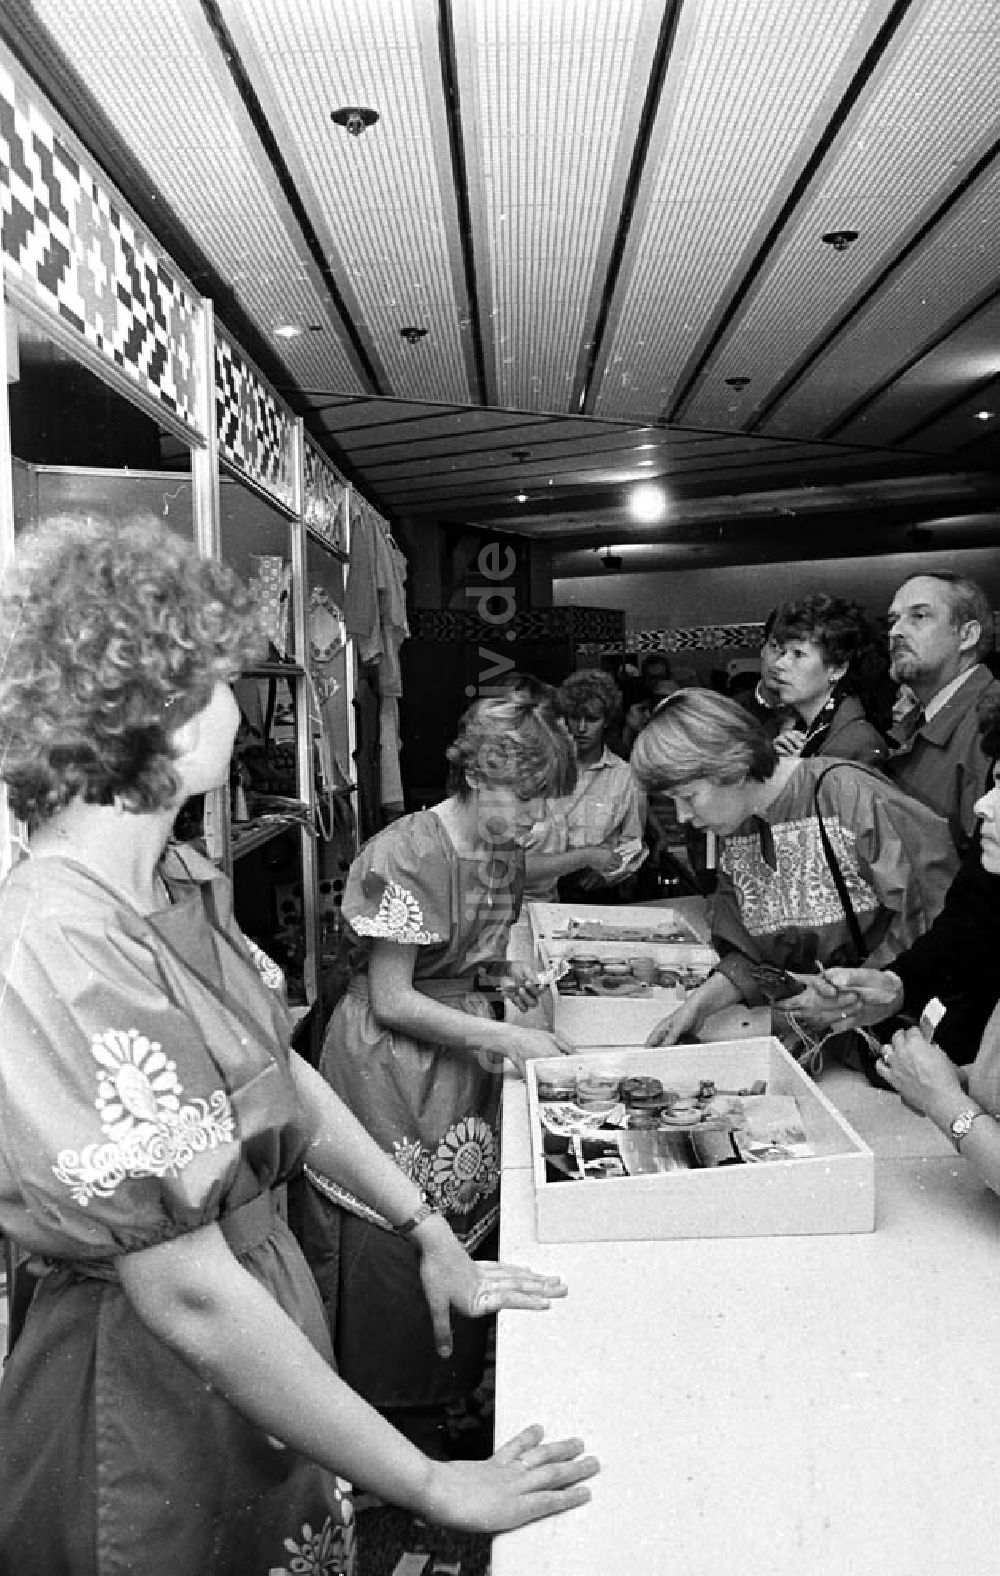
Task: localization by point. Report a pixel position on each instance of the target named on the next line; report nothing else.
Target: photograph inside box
(662, 1127)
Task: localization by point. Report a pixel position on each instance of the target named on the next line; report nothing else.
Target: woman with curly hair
(415, 1052)
(589, 843)
(170, 1404)
(823, 655)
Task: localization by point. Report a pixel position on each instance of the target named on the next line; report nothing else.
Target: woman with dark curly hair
(589, 844)
(415, 1052)
(823, 657)
(170, 1404)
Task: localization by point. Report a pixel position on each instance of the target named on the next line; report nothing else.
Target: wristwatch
(961, 1125)
(423, 1212)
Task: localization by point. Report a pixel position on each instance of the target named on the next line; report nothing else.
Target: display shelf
(248, 835)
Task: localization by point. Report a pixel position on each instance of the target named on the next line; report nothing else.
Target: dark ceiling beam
(814, 353)
(812, 166)
(654, 91)
(878, 389)
(456, 145)
(285, 179)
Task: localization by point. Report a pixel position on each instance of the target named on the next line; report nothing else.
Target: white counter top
(782, 1406)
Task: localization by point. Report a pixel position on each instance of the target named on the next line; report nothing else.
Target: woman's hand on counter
(525, 1480)
(521, 1045)
(476, 1288)
(684, 1020)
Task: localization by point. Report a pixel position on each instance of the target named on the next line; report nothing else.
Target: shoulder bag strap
(857, 937)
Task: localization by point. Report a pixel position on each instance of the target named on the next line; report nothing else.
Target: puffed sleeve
(118, 1129)
(903, 849)
(400, 886)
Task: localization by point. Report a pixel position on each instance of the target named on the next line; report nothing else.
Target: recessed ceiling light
(840, 240)
(985, 415)
(645, 462)
(354, 118)
(289, 330)
(522, 497)
(645, 446)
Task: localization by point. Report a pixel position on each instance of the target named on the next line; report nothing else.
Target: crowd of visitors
(196, 1386)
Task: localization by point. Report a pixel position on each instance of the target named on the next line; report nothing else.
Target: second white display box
(617, 1009)
(818, 1177)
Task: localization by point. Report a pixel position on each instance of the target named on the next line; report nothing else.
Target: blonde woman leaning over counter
(777, 901)
(170, 1405)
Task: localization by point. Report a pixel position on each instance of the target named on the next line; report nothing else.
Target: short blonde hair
(513, 743)
(696, 733)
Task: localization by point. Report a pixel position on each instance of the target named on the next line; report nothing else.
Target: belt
(247, 1226)
(250, 1224)
(445, 988)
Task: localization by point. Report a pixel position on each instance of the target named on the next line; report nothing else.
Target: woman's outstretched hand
(474, 1287)
(684, 1020)
(523, 1481)
(521, 1045)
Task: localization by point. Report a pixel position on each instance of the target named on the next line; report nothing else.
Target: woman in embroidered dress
(170, 1405)
(414, 1051)
(823, 656)
(777, 900)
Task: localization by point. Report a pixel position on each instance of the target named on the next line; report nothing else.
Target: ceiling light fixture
(985, 415)
(647, 502)
(840, 240)
(289, 330)
(412, 334)
(522, 497)
(354, 118)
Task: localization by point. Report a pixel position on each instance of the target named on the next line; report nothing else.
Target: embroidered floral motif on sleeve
(330, 1551)
(149, 1131)
(399, 918)
(268, 970)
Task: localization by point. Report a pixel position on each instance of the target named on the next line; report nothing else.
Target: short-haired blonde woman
(414, 1051)
(170, 1404)
(777, 901)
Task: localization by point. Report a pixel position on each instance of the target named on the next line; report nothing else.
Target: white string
(811, 1058)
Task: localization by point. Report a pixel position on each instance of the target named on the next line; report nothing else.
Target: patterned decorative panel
(324, 499)
(68, 243)
(160, 79)
(576, 624)
(255, 432)
(700, 637)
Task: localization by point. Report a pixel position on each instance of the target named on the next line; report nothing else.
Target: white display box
(832, 1190)
(553, 921)
(615, 1020)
